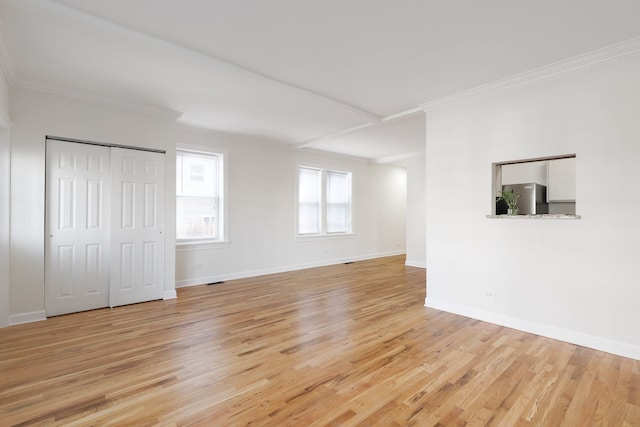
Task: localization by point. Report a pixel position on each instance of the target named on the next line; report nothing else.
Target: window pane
(309, 201)
(198, 175)
(198, 196)
(338, 200)
(197, 217)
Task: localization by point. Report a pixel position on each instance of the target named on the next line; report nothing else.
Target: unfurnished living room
(319, 213)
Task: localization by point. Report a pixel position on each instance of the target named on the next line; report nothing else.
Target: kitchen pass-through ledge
(540, 216)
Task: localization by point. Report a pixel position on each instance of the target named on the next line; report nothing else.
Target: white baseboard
(566, 335)
(419, 264)
(261, 272)
(171, 294)
(34, 316)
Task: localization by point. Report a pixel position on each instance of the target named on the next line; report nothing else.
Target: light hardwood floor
(343, 345)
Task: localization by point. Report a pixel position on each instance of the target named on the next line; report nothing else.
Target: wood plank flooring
(346, 345)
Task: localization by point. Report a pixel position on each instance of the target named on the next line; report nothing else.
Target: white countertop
(541, 216)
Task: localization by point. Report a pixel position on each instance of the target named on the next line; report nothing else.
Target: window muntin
(324, 202)
(199, 198)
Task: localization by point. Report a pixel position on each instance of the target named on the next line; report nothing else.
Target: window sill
(316, 237)
(198, 245)
(541, 216)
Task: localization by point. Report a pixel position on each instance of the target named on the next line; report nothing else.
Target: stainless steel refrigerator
(532, 200)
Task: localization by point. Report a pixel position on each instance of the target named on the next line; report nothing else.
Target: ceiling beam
(6, 64)
(214, 61)
(403, 114)
(306, 144)
(398, 158)
(385, 119)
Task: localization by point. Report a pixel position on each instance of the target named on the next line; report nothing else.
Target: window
(324, 201)
(199, 196)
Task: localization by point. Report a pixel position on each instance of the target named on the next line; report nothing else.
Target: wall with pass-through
(574, 280)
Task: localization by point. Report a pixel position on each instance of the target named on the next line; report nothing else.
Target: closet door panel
(77, 227)
(137, 226)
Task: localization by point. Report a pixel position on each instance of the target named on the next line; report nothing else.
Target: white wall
(576, 280)
(262, 211)
(5, 212)
(35, 115)
(4, 101)
(416, 223)
(5, 149)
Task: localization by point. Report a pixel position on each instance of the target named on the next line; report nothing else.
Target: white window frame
(223, 190)
(323, 204)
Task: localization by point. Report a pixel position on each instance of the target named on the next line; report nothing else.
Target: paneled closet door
(137, 226)
(77, 228)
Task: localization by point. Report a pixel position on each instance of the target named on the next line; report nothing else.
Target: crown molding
(145, 109)
(215, 62)
(581, 61)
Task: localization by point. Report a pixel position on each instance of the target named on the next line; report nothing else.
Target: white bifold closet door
(105, 219)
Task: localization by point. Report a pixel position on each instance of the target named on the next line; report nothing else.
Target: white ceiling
(325, 75)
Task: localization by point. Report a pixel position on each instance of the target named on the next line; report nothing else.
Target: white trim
(566, 335)
(170, 294)
(33, 316)
(253, 273)
(581, 61)
(419, 264)
(204, 245)
(331, 236)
